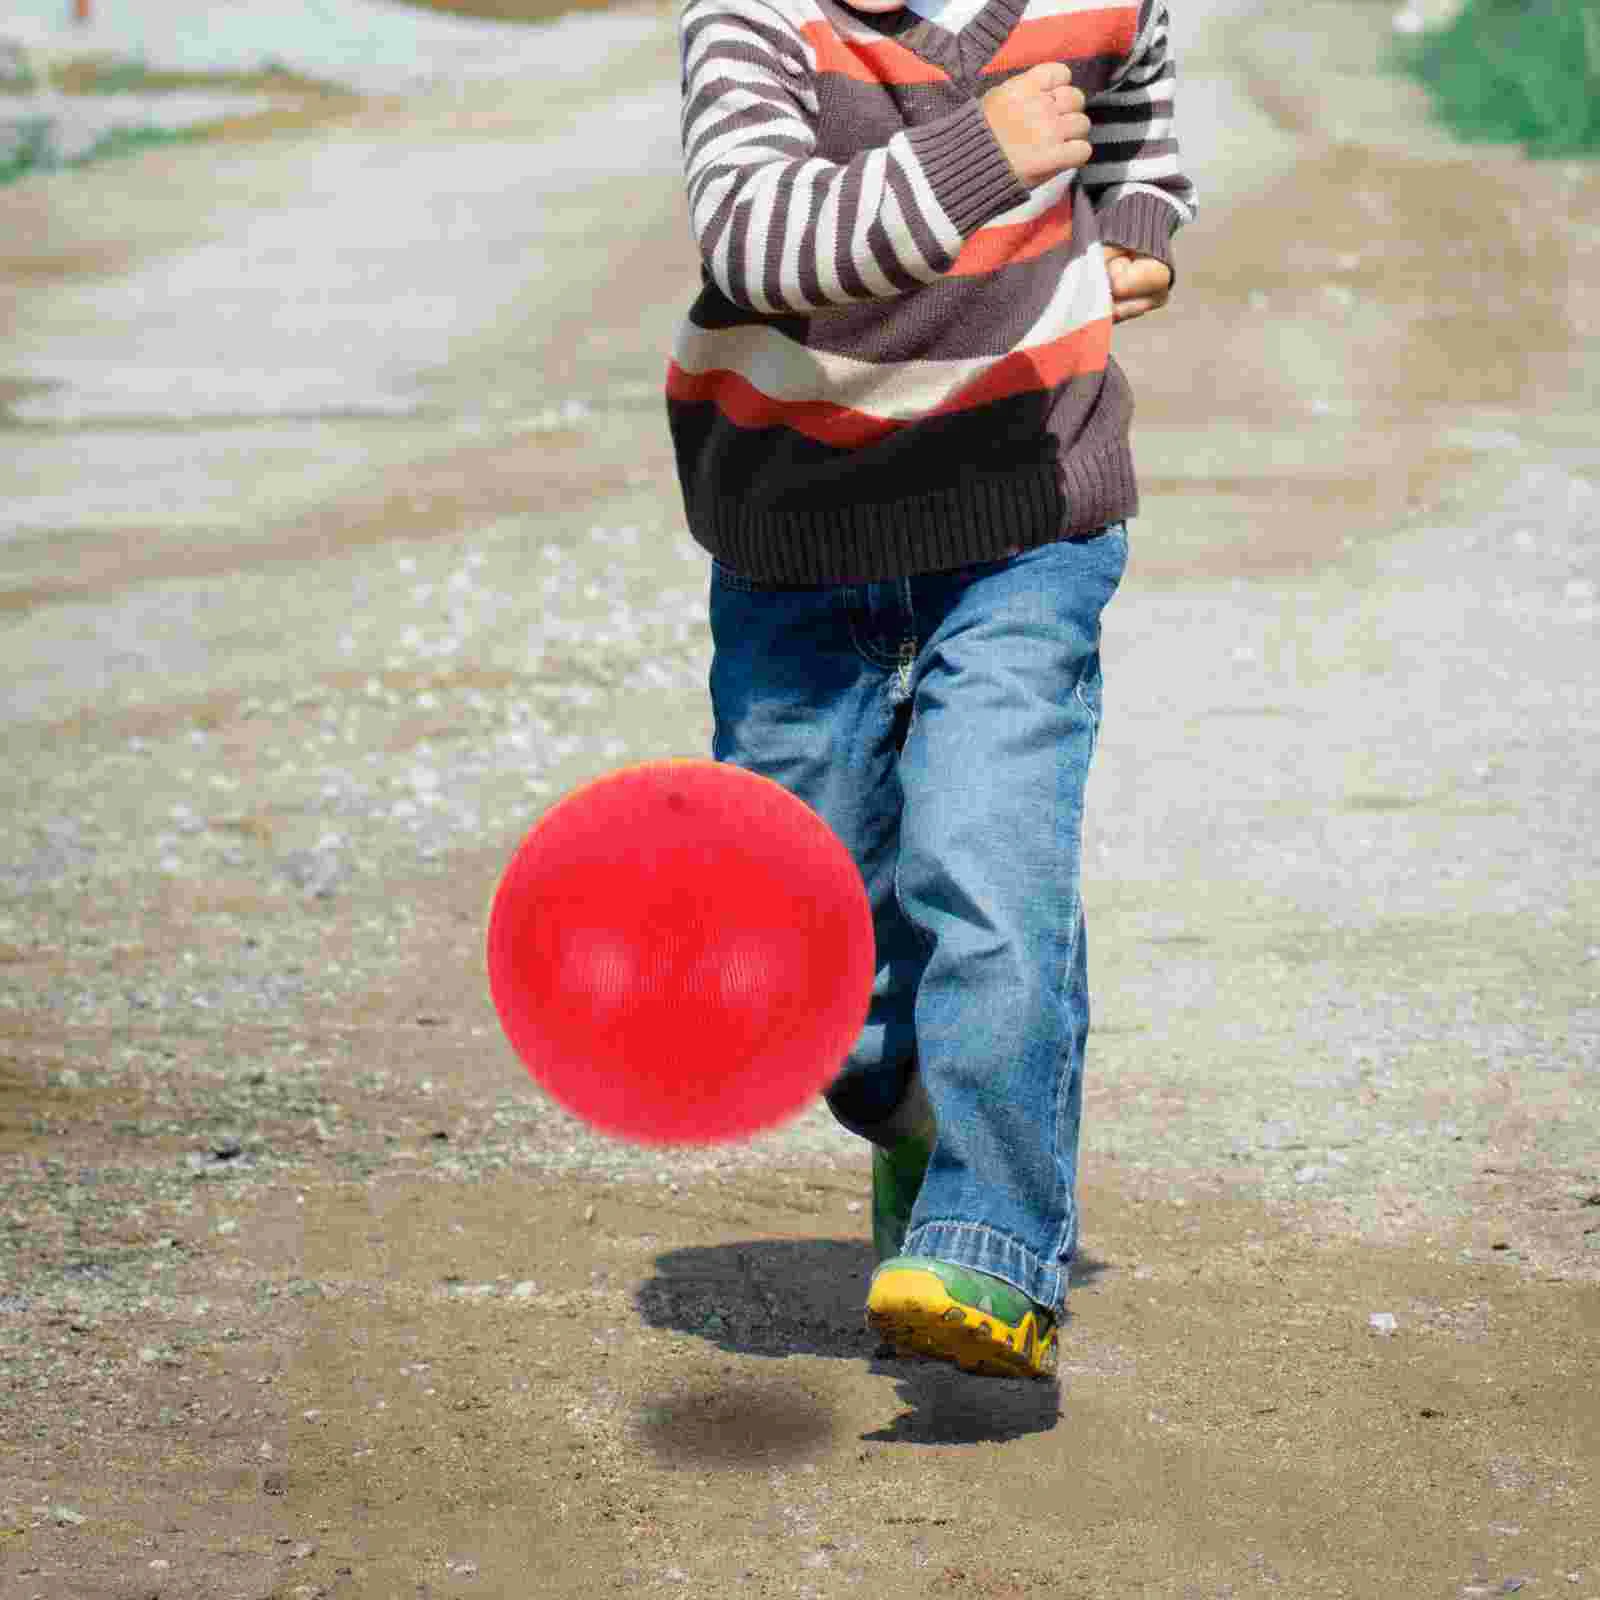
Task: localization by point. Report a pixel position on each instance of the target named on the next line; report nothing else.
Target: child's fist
(1138, 283)
(1038, 119)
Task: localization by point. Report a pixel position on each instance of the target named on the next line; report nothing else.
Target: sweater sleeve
(782, 230)
(1134, 178)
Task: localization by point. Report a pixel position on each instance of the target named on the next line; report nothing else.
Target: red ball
(681, 953)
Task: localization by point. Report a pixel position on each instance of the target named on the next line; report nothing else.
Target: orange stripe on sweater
(1005, 244)
(747, 407)
(1077, 354)
(881, 61)
(1085, 350)
(1074, 37)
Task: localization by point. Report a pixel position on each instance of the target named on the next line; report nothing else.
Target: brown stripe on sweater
(766, 126)
(720, 221)
(849, 191)
(860, 116)
(772, 265)
(1127, 116)
(810, 279)
(781, 43)
(711, 90)
(738, 238)
(923, 236)
(886, 258)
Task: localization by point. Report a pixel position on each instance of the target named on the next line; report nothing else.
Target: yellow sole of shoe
(913, 1311)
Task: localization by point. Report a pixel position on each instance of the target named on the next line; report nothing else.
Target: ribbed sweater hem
(1142, 223)
(983, 518)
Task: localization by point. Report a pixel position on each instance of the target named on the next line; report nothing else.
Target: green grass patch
(299, 103)
(1523, 72)
(34, 154)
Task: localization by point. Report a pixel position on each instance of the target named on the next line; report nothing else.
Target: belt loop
(908, 640)
(908, 659)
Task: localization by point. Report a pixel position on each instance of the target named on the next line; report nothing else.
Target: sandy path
(339, 536)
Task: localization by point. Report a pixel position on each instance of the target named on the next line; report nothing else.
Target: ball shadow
(784, 1297)
(735, 1422)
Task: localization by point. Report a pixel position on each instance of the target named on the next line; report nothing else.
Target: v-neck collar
(963, 55)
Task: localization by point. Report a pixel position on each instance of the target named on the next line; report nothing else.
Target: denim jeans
(942, 725)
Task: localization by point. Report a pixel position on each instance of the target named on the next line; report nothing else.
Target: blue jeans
(942, 725)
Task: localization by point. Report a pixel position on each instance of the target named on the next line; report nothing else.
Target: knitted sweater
(900, 358)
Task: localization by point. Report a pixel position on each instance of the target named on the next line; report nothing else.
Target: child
(902, 438)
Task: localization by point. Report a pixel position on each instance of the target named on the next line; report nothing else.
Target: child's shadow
(782, 1297)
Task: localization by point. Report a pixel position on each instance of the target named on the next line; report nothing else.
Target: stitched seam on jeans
(918, 932)
(874, 658)
(1094, 712)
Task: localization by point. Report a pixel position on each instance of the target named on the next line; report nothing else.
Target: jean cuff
(980, 1248)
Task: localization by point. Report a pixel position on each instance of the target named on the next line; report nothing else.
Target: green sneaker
(897, 1175)
(950, 1313)
(902, 1145)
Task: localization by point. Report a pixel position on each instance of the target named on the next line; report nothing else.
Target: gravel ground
(335, 548)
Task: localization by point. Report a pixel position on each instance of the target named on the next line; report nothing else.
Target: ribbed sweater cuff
(966, 168)
(1142, 223)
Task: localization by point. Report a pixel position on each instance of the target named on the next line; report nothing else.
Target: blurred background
(340, 535)
(84, 80)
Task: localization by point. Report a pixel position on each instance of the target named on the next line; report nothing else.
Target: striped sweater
(900, 358)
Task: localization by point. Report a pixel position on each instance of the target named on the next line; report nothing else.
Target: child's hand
(1138, 283)
(1038, 119)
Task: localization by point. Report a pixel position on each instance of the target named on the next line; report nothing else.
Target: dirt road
(340, 536)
